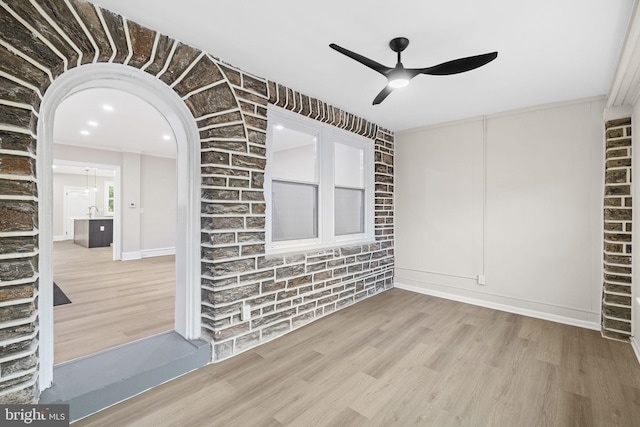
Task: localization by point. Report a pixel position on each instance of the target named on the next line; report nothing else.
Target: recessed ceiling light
(54, 166)
(84, 132)
(166, 137)
(92, 123)
(279, 127)
(107, 107)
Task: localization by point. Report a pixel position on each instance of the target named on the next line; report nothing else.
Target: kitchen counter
(93, 232)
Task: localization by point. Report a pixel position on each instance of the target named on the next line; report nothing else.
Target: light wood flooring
(402, 359)
(113, 302)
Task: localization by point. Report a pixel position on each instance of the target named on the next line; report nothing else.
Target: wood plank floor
(401, 359)
(113, 302)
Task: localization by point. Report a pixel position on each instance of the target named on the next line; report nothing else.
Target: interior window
(319, 184)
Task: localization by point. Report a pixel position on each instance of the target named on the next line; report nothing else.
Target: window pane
(294, 155)
(349, 166)
(349, 211)
(294, 211)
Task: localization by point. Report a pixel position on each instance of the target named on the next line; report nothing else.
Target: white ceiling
(132, 125)
(549, 50)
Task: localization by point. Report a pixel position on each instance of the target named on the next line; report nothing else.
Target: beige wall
(147, 181)
(158, 202)
(523, 208)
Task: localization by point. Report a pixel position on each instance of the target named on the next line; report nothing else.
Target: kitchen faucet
(92, 206)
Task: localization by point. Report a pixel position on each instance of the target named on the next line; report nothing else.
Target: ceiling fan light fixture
(398, 82)
(398, 76)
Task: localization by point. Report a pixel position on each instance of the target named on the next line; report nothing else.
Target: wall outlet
(246, 312)
(482, 280)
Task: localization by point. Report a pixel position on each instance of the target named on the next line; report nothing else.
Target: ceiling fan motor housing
(399, 44)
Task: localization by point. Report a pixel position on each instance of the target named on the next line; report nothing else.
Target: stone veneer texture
(42, 39)
(616, 292)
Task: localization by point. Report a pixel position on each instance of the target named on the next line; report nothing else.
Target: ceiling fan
(399, 76)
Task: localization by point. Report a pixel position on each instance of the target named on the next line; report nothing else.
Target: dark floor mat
(59, 297)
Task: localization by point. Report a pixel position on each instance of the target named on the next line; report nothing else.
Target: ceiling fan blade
(382, 95)
(361, 59)
(458, 65)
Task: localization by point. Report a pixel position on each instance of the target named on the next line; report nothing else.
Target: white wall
(521, 206)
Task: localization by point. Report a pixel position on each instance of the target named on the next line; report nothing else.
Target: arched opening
(156, 93)
(112, 288)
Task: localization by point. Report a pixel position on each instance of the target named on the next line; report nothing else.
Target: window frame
(327, 136)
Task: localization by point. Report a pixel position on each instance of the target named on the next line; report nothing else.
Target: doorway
(153, 91)
(109, 302)
(76, 203)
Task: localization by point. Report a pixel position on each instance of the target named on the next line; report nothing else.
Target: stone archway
(49, 49)
(120, 77)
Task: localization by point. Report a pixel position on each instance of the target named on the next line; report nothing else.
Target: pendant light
(95, 180)
(86, 190)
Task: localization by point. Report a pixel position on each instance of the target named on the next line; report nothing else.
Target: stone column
(616, 292)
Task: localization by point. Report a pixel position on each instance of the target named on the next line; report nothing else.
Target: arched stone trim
(155, 92)
(42, 39)
(313, 108)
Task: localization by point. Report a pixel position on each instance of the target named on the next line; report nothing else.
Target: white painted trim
(163, 98)
(327, 136)
(625, 86)
(59, 238)
(147, 253)
(502, 307)
(150, 253)
(635, 345)
(44, 161)
(619, 112)
(130, 256)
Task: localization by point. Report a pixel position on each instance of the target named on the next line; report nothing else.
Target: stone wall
(42, 39)
(616, 293)
(284, 292)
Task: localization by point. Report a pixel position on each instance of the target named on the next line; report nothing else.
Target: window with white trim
(319, 184)
(109, 198)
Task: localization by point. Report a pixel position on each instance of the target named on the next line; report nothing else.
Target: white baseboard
(130, 256)
(636, 347)
(59, 238)
(147, 253)
(502, 307)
